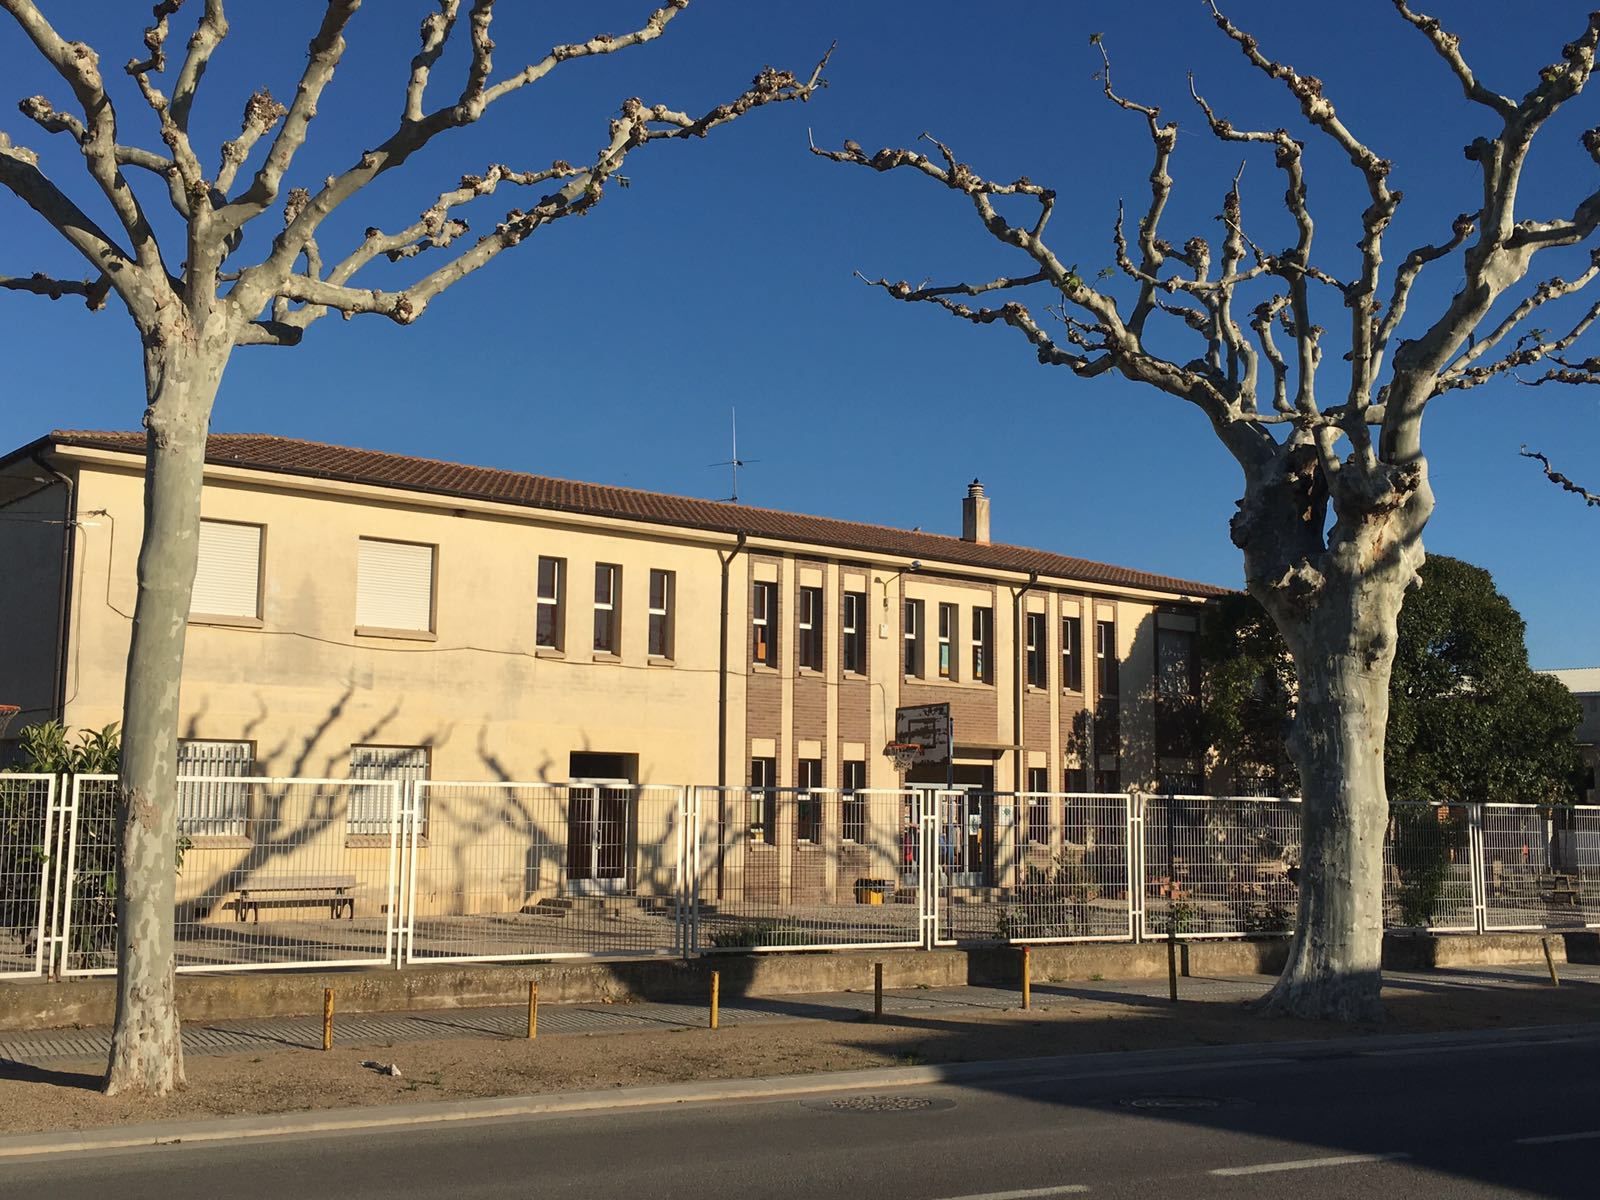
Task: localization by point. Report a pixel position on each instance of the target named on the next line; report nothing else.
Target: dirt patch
(64, 1096)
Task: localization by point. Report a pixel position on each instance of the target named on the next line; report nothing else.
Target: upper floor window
(1176, 673)
(227, 577)
(607, 602)
(211, 803)
(1105, 657)
(854, 641)
(947, 630)
(663, 585)
(808, 646)
(1036, 649)
(983, 645)
(550, 624)
(395, 586)
(1072, 654)
(913, 638)
(764, 624)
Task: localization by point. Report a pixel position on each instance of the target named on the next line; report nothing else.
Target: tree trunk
(1343, 656)
(146, 1053)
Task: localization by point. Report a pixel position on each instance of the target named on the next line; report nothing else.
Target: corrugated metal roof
(292, 456)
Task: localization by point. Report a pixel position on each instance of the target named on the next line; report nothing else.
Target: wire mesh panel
(1427, 868)
(1067, 876)
(536, 870)
(793, 868)
(292, 887)
(27, 812)
(1220, 866)
(1541, 867)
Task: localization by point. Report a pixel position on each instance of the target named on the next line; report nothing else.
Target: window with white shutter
(213, 800)
(370, 811)
(394, 586)
(227, 578)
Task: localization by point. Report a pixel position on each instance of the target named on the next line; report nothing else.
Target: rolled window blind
(394, 586)
(227, 581)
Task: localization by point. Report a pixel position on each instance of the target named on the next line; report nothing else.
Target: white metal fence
(375, 871)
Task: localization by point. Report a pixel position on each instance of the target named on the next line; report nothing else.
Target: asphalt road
(1416, 1117)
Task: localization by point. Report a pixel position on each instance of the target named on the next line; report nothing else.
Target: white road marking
(1066, 1189)
(1550, 1138)
(1302, 1164)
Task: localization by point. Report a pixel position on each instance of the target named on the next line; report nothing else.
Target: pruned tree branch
(1592, 499)
(93, 291)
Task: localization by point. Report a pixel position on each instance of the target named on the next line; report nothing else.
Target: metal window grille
(369, 814)
(211, 803)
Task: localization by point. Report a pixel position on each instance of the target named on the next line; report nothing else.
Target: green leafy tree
(1469, 720)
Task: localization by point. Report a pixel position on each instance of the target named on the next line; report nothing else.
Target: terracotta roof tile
(292, 456)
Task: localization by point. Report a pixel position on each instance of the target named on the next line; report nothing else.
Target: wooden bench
(332, 890)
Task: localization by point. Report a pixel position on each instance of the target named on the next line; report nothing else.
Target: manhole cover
(879, 1104)
(1172, 1102)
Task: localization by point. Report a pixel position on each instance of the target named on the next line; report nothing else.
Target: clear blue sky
(611, 348)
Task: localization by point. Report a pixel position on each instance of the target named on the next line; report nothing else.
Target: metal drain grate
(866, 1104)
(1172, 1102)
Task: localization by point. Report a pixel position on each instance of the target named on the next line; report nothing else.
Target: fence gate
(30, 828)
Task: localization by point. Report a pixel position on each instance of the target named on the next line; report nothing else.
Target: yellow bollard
(1550, 961)
(877, 991)
(327, 1018)
(716, 990)
(533, 1009)
(1027, 979)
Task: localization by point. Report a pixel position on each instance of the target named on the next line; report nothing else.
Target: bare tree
(193, 304)
(1336, 490)
(1565, 482)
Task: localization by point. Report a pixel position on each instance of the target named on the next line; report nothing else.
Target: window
(550, 633)
(1036, 649)
(764, 624)
(663, 585)
(1071, 654)
(854, 779)
(227, 578)
(371, 811)
(947, 629)
(210, 806)
(607, 585)
(1077, 779)
(855, 633)
(1105, 657)
(1176, 669)
(913, 638)
(394, 586)
(763, 775)
(807, 804)
(808, 646)
(982, 644)
(1039, 805)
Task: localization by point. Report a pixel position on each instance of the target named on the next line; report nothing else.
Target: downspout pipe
(69, 528)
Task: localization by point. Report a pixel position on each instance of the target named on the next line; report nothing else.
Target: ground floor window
(807, 804)
(370, 808)
(763, 777)
(854, 780)
(209, 805)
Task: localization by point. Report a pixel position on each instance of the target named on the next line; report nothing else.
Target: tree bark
(181, 383)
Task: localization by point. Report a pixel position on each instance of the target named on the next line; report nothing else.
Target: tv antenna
(735, 462)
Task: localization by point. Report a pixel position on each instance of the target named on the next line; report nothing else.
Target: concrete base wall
(40, 1004)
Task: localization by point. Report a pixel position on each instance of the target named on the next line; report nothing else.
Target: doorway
(602, 814)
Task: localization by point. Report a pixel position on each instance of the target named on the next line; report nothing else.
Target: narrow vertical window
(1071, 654)
(1039, 805)
(808, 646)
(854, 822)
(854, 641)
(764, 624)
(607, 585)
(1036, 649)
(913, 638)
(1105, 657)
(947, 629)
(763, 774)
(550, 624)
(982, 645)
(662, 586)
(808, 805)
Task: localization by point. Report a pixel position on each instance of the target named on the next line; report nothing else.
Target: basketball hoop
(903, 753)
(7, 712)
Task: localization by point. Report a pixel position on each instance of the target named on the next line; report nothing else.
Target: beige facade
(308, 688)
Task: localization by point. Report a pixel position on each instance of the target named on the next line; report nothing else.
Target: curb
(1060, 1067)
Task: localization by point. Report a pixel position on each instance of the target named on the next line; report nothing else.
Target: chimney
(975, 514)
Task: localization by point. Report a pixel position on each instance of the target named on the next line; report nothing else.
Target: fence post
(1475, 859)
(1134, 812)
(1172, 901)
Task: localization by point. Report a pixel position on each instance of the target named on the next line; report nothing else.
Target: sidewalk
(499, 1023)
